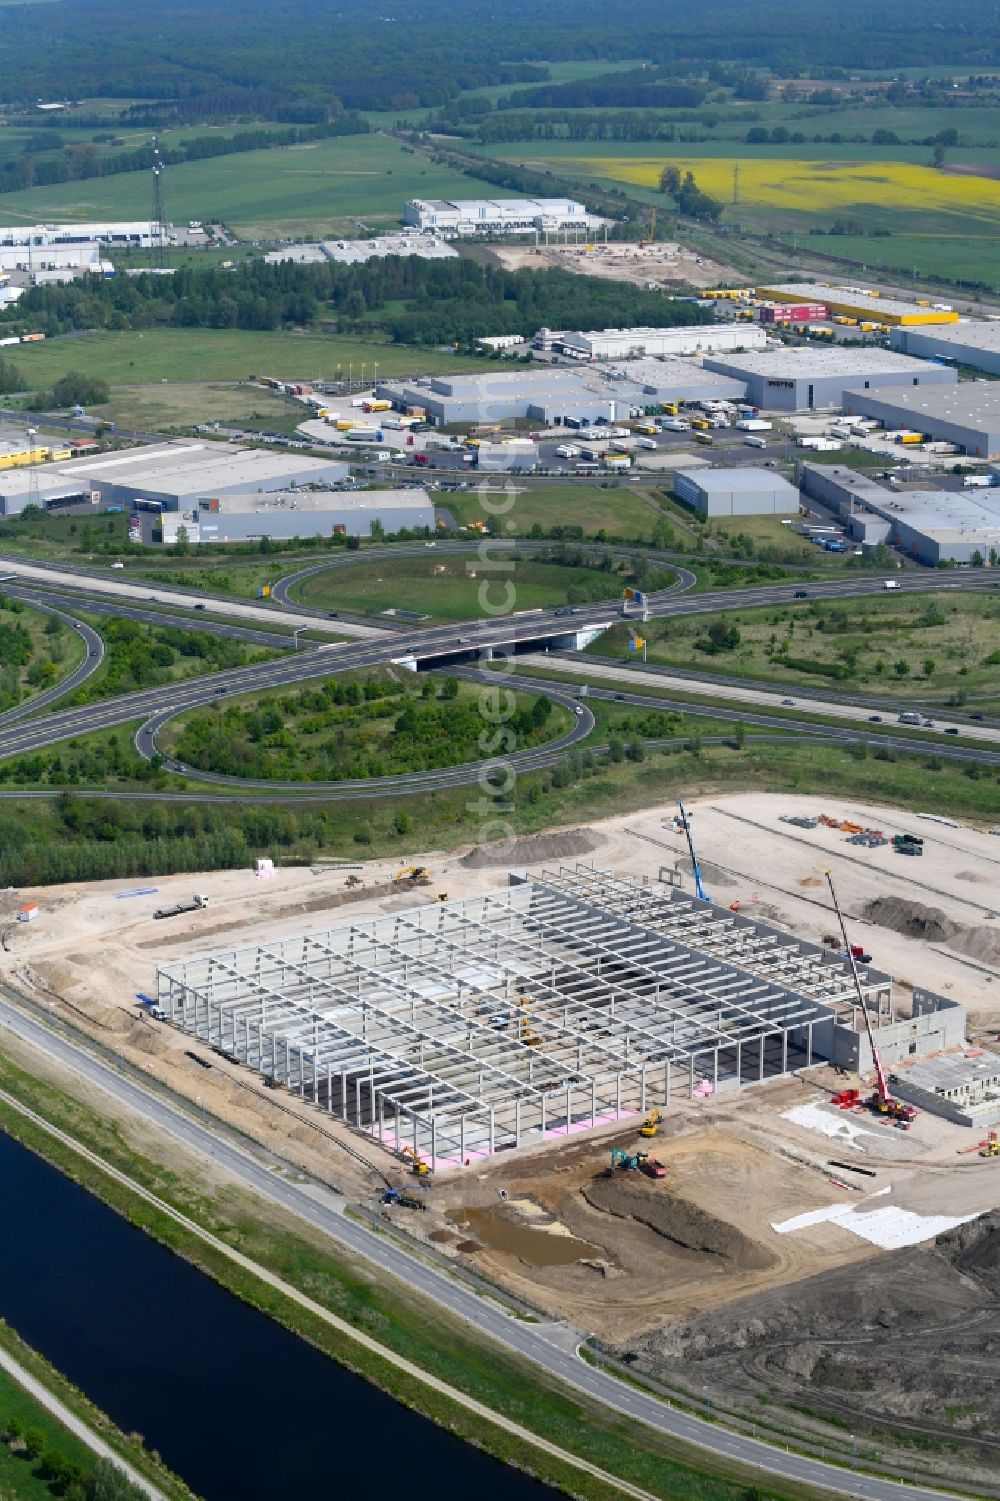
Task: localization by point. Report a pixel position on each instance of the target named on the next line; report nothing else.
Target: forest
(208, 60)
(428, 301)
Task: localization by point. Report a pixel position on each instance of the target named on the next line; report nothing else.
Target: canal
(235, 1404)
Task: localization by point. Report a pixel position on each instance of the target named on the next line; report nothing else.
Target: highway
(430, 645)
(548, 1346)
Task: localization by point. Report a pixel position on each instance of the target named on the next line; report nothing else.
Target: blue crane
(695, 867)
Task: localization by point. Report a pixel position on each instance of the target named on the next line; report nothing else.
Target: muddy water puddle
(529, 1243)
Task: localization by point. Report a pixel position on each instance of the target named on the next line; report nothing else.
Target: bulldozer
(651, 1125)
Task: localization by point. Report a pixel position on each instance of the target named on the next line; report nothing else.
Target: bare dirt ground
(908, 1342)
(661, 265)
(652, 1253)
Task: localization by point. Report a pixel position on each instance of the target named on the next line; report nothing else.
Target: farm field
(133, 358)
(932, 645)
(448, 588)
(944, 223)
(314, 189)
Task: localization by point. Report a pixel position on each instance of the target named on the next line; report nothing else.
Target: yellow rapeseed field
(817, 186)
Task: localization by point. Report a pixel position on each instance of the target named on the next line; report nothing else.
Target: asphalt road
(549, 1346)
(431, 645)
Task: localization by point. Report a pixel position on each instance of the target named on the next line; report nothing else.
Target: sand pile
(979, 941)
(677, 1220)
(530, 850)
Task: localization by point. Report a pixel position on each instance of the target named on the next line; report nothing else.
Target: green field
(448, 588)
(22, 1478)
(319, 188)
(620, 510)
(903, 647)
(206, 354)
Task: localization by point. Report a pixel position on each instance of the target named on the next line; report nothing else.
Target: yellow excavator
(651, 1125)
(991, 1146)
(417, 1165)
(528, 1038)
(417, 875)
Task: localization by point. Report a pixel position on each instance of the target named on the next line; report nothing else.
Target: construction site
(660, 264)
(643, 1077)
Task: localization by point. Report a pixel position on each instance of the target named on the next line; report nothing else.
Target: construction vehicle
(528, 1038)
(881, 1102)
(418, 1167)
(417, 875)
(991, 1146)
(651, 231)
(695, 867)
(196, 904)
(404, 1200)
(652, 1168)
(651, 1125)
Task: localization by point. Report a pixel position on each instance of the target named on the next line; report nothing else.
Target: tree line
(430, 302)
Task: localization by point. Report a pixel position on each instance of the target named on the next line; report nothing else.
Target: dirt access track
(647, 1253)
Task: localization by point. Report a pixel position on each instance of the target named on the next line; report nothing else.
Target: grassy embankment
(903, 647)
(37, 651)
(419, 1331)
(26, 1479)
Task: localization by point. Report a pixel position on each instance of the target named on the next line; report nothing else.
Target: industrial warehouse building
(354, 252)
(931, 526)
(126, 232)
(302, 513)
(855, 302)
(513, 1016)
(797, 380)
(550, 396)
(967, 415)
(498, 216)
(974, 344)
(633, 343)
(736, 492)
(176, 476)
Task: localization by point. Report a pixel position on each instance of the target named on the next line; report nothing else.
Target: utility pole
(736, 182)
(158, 221)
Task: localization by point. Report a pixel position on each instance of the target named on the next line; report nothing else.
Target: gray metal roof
(808, 364)
(724, 481)
(970, 403)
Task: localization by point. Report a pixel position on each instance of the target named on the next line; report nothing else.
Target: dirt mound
(677, 1220)
(914, 920)
(921, 1324)
(710, 874)
(530, 850)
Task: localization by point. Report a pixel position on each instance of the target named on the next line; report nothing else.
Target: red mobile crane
(882, 1102)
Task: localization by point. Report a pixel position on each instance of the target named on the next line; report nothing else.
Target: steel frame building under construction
(561, 1002)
